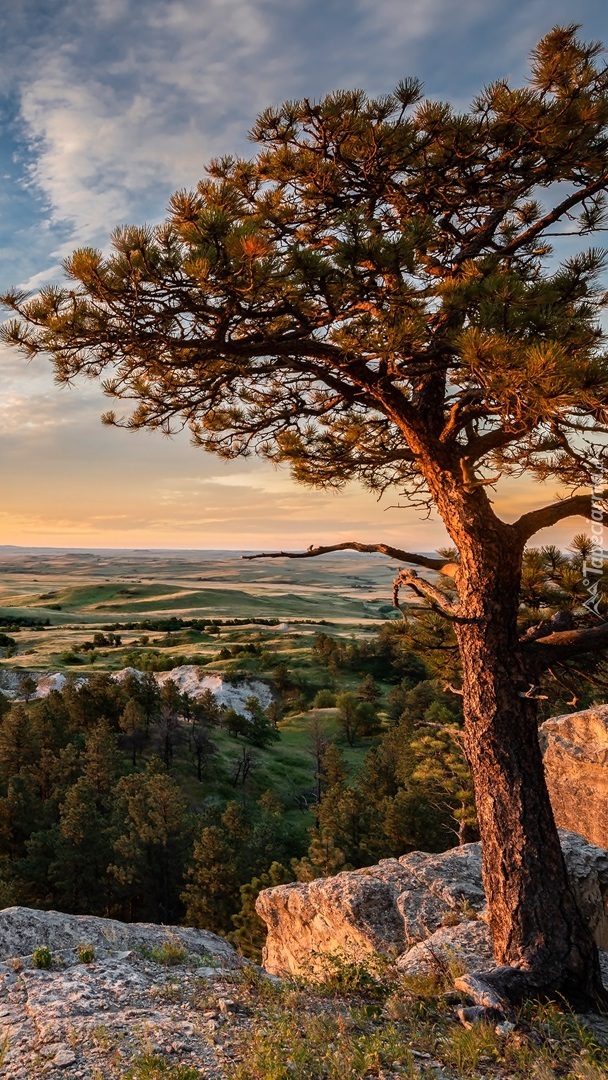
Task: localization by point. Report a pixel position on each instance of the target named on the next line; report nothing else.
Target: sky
(106, 107)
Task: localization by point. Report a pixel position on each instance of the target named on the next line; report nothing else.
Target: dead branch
(442, 566)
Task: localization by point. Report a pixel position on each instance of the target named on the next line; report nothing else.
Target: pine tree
(133, 723)
(219, 865)
(250, 931)
(154, 830)
(375, 296)
(17, 742)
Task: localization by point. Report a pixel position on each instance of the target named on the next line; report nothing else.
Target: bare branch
(531, 523)
(554, 215)
(426, 591)
(442, 566)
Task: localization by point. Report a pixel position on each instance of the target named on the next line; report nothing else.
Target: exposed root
(504, 988)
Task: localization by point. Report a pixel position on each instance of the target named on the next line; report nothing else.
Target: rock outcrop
(575, 749)
(95, 1019)
(393, 907)
(189, 679)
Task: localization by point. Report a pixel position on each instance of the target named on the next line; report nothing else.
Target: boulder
(96, 1018)
(391, 907)
(575, 749)
(466, 945)
(24, 929)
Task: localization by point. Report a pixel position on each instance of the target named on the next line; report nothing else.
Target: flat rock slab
(93, 1020)
(24, 929)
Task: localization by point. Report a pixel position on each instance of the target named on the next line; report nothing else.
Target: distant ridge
(86, 550)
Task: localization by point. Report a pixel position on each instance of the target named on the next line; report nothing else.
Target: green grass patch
(363, 1022)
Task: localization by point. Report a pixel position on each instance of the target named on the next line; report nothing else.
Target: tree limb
(566, 643)
(530, 523)
(442, 566)
(554, 215)
(426, 591)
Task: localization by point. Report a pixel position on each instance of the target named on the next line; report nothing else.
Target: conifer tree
(375, 296)
(154, 829)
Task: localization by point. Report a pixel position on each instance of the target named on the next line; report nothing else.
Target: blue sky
(106, 107)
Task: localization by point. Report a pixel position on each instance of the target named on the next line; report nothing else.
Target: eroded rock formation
(575, 749)
(392, 907)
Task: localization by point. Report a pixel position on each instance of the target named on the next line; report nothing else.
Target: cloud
(113, 121)
(112, 104)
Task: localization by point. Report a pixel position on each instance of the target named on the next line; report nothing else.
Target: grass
(169, 954)
(85, 953)
(137, 584)
(360, 1024)
(155, 1067)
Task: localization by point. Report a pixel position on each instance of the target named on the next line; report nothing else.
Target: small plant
(341, 974)
(468, 1048)
(86, 953)
(169, 954)
(102, 1037)
(451, 918)
(42, 957)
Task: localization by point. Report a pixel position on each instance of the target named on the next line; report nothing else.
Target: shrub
(170, 954)
(68, 656)
(42, 957)
(324, 699)
(154, 1067)
(86, 953)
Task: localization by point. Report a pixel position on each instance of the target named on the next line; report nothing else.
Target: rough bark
(540, 939)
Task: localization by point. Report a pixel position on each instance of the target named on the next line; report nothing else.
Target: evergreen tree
(374, 296)
(368, 690)
(170, 710)
(133, 723)
(260, 731)
(145, 690)
(355, 717)
(441, 770)
(18, 745)
(216, 871)
(250, 931)
(154, 841)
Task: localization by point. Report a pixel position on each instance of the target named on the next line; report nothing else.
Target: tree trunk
(537, 930)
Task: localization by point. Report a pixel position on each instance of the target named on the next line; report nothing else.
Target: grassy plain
(93, 587)
(80, 593)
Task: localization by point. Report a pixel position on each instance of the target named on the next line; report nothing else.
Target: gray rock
(23, 929)
(95, 1019)
(390, 907)
(467, 946)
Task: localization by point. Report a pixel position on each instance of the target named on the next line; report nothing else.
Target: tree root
(504, 988)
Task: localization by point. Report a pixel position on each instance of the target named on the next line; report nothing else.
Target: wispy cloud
(113, 126)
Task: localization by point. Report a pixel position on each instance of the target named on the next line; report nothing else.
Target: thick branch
(442, 566)
(566, 643)
(531, 523)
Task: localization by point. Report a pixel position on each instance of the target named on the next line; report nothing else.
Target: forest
(131, 799)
